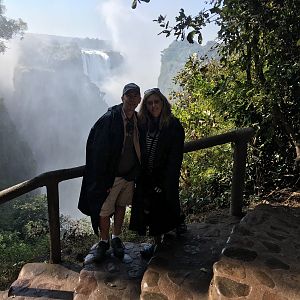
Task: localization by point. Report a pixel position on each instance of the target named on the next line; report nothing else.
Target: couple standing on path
(133, 159)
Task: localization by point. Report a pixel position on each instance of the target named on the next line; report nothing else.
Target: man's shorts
(120, 194)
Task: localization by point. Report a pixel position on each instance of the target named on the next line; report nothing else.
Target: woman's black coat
(165, 206)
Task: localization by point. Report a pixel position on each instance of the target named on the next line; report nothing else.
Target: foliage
(257, 81)
(132, 236)
(23, 236)
(134, 3)
(15, 252)
(77, 237)
(206, 174)
(9, 28)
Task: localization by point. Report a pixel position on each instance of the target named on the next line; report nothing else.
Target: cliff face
(16, 159)
(174, 58)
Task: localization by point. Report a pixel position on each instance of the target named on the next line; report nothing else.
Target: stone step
(113, 278)
(183, 270)
(4, 295)
(261, 259)
(44, 281)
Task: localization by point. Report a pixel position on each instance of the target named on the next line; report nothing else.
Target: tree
(9, 28)
(259, 81)
(206, 174)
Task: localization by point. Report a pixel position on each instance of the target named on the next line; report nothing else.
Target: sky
(132, 32)
(86, 18)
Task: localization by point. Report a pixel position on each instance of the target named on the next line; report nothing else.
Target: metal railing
(50, 180)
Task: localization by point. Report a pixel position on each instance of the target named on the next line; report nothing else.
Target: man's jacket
(103, 152)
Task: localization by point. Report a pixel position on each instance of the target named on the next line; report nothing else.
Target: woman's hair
(165, 116)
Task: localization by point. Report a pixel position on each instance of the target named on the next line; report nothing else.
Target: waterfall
(96, 64)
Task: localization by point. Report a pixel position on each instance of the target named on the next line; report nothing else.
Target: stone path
(184, 270)
(262, 257)
(112, 279)
(260, 261)
(43, 281)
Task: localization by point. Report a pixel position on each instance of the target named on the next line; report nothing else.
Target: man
(112, 164)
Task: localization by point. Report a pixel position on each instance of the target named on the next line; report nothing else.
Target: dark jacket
(103, 152)
(165, 206)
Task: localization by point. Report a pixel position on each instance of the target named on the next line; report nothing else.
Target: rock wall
(174, 58)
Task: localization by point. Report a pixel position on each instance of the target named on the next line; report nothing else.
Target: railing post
(238, 177)
(54, 225)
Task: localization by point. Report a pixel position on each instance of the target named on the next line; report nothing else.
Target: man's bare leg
(118, 219)
(116, 243)
(104, 225)
(103, 245)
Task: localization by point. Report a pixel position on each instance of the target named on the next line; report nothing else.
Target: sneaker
(100, 251)
(118, 247)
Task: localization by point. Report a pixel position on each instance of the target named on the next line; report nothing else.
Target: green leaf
(134, 4)
(215, 10)
(200, 38)
(190, 37)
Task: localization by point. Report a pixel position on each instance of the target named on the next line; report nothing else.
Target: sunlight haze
(132, 32)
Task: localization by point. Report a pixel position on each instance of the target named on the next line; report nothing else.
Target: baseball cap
(129, 87)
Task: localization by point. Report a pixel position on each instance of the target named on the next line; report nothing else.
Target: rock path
(261, 260)
(184, 269)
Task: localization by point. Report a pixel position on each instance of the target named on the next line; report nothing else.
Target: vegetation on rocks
(23, 236)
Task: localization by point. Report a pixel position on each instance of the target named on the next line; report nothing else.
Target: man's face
(131, 100)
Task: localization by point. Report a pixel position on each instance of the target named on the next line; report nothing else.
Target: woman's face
(154, 105)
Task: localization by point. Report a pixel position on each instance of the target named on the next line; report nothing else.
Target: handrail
(40, 181)
(239, 137)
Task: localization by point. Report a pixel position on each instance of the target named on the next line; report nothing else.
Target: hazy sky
(131, 32)
(86, 19)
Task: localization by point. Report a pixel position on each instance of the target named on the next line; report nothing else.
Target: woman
(156, 202)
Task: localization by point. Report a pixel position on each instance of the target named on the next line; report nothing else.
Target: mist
(52, 99)
(52, 103)
(8, 61)
(135, 35)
